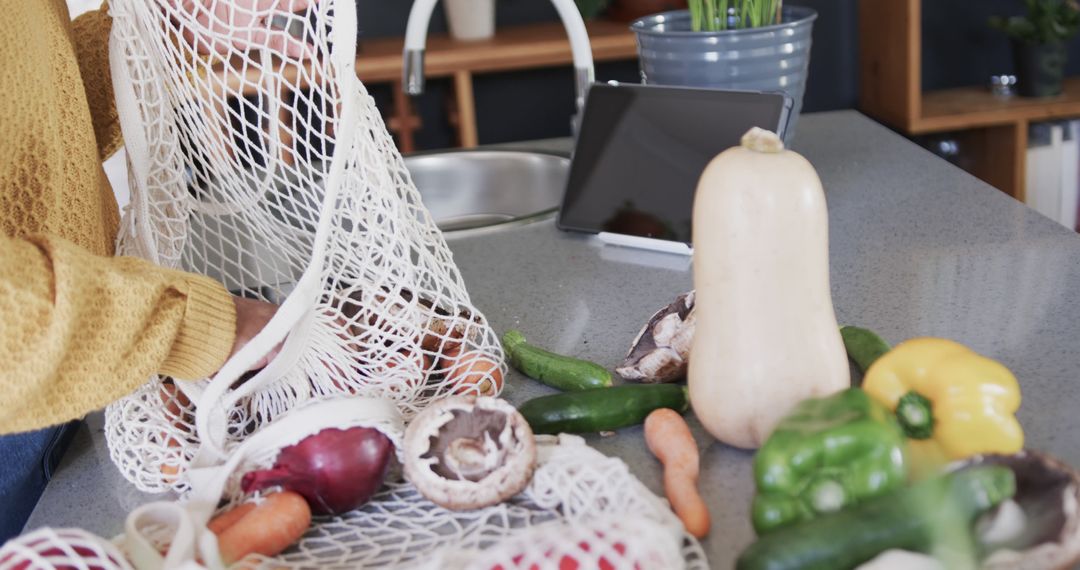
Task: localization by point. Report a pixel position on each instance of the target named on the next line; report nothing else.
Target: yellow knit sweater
(79, 328)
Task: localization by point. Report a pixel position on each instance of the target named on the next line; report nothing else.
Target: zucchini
(601, 409)
(863, 346)
(555, 370)
(935, 512)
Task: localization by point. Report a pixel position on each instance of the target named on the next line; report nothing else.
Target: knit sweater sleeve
(90, 33)
(80, 331)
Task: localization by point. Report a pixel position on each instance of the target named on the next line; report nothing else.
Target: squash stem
(915, 415)
(761, 140)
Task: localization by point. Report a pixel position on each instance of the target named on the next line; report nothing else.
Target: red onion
(335, 470)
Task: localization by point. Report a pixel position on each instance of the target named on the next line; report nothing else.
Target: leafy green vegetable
(1046, 21)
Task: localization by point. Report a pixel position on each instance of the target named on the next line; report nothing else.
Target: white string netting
(66, 548)
(581, 510)
(257, 158)
(579, 505)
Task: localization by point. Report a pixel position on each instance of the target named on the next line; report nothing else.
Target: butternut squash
(766, 336)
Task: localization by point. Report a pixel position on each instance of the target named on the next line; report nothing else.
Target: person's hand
(243, 25)
(251, 316)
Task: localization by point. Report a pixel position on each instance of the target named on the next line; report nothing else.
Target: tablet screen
(641, 150)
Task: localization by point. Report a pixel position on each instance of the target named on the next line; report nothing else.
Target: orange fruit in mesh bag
(472, 371)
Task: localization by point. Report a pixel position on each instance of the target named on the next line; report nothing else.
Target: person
(80, 328)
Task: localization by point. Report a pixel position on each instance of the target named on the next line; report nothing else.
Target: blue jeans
(27, 461)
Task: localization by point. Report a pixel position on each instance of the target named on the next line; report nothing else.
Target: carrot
(669, 439)
(218, 524)
(266, 528)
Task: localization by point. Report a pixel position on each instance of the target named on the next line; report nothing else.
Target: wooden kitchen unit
(513, 48)
(992, 130)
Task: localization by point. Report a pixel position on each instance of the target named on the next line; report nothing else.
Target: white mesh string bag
(602, 543)
(587, 511)
(258, 158)
(581, 510)
(592, 501)
(61, 548)
(575, 491)
(264, 163)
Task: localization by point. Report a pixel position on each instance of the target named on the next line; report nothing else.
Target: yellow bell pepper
(951, 402)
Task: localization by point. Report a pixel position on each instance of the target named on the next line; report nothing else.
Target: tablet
(641, 150)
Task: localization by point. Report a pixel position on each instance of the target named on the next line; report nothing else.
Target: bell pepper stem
(827, 496)
(915, 415)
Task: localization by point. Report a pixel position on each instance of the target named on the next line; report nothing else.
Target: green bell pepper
(827, 454)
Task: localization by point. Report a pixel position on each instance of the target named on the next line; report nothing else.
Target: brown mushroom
(469, 452)
(1040, 527)
(661, 351)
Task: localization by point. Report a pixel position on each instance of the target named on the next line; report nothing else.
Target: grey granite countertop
(918, 247)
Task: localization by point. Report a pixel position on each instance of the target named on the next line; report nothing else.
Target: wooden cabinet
(992, 130)
(513, 48)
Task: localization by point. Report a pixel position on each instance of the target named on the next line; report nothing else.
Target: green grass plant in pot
(716, 15)
(1039, 38)
(753, 45)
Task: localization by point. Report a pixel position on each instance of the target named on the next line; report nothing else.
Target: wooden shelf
(969, 107)
(513, 48)
(993, 131)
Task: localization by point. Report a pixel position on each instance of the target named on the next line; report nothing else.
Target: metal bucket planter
(770, 58)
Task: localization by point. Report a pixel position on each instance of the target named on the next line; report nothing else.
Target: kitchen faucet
(416, 38)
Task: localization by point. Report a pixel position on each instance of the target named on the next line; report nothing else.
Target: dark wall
(960, 48)
(538, 103)
(833, 81)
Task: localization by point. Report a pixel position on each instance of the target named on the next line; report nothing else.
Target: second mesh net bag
(257, 157)
(581, 510)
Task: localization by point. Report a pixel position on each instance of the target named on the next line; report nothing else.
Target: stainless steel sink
(462, 189)
(472, 189)
(465, 192)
